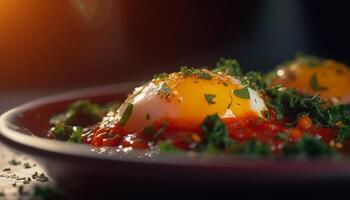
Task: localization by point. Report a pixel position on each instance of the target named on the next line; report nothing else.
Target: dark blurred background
(80, 43)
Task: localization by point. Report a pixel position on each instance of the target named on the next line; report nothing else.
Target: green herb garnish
(148, 131)
(339, 116)
(14, 162)
(42, 178)
(186, 71)
(308, 146)
(308, 60)
(160, 76)
(76, 136)
(315, 85)
(80, 113)
(210, 98)
(254, 148)
(215, 134)
(67, 133)
(242, 93)
(228, 66)
(286, 102)
(254, 80)
(126, 115)
(164, 88)
(204, 75)
(167, 146)
(27, 165)
(282, 136)
(61, 131)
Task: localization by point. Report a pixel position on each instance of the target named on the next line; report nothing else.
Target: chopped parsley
(14, 162)
(200, 73)
(215, 134)
(315, 85)
(310, 61)
(67, 133)
(80, 113)
(242, 93)
(161, 76)
(204, 75)
(164, 88)
(228, 66)
(308, 146)
(254, 80)
(167, 146)
(254, 148)
(339, 116)
(155, 132)
(186, 71)
(286, 102)
(76, 136)
(210, 98)
(126, 115)
(282, 136)
(6, 170)
(27, 165)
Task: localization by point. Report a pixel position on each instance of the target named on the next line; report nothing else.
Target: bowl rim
(10, 134)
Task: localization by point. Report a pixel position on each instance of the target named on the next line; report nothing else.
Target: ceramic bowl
(77, 166)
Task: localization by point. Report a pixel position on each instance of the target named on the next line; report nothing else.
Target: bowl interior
(25, 128)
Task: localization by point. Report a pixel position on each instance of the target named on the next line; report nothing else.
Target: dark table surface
(15, 167)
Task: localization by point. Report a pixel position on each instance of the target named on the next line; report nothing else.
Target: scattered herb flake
(228, 66)
(6, 169)
(160, 130)
(126, 115)
(35, 175)
(282, 136)
(309, 60)
(27, 165)
(188, 71)
(165, 89)
(160, 76)
(167, 146)
(210, 98)
(204, 75)
(315, 85)
(148, 131)
(42, 178)
(76, 136)
(215, 134)
(14, 162)
(242, 93)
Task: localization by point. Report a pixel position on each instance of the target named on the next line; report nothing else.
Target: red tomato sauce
(241, 130)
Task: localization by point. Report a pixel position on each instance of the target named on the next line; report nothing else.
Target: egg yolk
(185, 100)
(329, 78)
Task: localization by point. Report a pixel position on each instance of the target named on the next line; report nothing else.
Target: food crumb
(14, 162)
(6, 169)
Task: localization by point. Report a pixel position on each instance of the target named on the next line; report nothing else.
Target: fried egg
(312, 75)
(184, 100)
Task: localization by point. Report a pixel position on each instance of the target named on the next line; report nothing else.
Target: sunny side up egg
(184, 100)
(311, 75)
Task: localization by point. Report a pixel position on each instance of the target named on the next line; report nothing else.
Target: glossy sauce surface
(241, 130)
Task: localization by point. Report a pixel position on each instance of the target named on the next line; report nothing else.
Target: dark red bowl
(77, 165)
